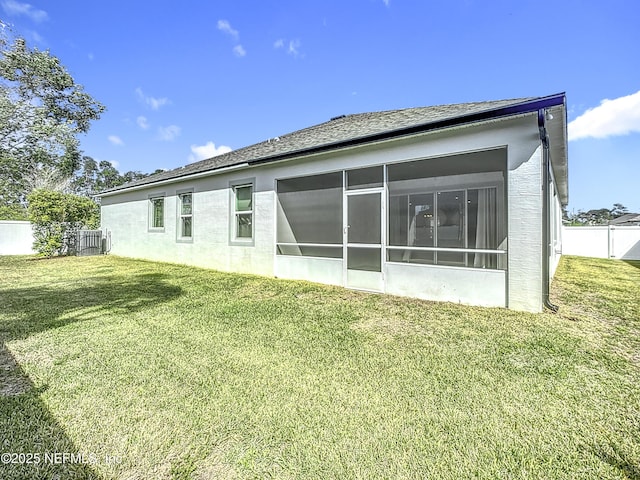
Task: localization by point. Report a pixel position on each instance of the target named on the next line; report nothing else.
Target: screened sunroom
(403, 228)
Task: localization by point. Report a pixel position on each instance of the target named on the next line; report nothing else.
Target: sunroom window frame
(329, 246)
(463, 186)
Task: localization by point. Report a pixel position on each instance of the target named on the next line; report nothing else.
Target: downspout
(546, 214)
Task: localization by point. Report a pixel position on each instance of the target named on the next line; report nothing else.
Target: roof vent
(336, 118)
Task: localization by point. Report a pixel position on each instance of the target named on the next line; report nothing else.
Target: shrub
(56, 219)
(13, 212)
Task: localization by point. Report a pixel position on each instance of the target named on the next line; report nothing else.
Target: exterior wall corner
(525, 234)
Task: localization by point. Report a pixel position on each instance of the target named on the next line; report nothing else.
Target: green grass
(178, 372)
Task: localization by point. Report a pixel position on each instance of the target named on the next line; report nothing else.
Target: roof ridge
(426, 107)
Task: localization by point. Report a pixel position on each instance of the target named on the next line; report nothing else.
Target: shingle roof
(627, 218)
(354, 128)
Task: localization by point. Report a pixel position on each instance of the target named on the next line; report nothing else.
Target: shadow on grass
(633, 263)
(26, 425)
(36, 309)
(617, 459)
(30, 434)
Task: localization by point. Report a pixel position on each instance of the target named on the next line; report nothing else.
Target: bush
(13, 212)
(56, 219)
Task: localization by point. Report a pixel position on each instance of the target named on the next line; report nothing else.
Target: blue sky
(185, 80)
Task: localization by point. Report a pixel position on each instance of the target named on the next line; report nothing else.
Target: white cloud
(294, 48)
(619, 116)
(114, 163)
(208, 150)
(142, 122)
(169, 133)
(152, 102)
(386, 3)
(225, 26)
(12, 7)
(115, 140)
(239, 51)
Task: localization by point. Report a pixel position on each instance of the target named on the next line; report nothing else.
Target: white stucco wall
(525, 229)
(128, 225)
(470, 286)
(16, 238)
(126, 216)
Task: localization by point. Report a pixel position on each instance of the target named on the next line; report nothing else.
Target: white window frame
(234, 239)
(180, 215)
(151, 224)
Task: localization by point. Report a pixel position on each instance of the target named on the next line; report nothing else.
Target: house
(626, 220)
(458, 203)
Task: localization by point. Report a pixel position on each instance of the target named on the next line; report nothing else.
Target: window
(243, 211)
(185, 215)
(309, 216)
(156, 213)
(442, 217)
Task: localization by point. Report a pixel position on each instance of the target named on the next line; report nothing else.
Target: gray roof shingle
(626, 219)
(354, 127)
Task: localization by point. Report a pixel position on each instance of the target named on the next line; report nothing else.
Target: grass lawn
(155, 371)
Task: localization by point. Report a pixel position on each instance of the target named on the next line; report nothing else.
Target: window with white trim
(156, 213)
(243, 211)
(185, 215)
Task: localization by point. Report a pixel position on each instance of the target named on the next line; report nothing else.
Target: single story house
(626, 220)
(458, 203)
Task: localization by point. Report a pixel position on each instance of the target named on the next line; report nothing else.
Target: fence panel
(602, 242)
(16, 238)
(625, 243)
(89, 243)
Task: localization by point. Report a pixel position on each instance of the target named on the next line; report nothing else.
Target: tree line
(597, 216)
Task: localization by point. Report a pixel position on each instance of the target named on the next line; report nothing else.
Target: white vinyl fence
(16, 238)
(602, 242)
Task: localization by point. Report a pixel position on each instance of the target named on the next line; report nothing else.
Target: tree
(618, 210)
(42, 110)
(84, 183)
(93, 177)
(108, 177)
(56, 219)
(598, 216)
(13, 212)
(132, 176)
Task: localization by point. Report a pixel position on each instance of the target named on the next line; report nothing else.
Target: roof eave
(158, 183)
(526, 106)
(516, 109)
